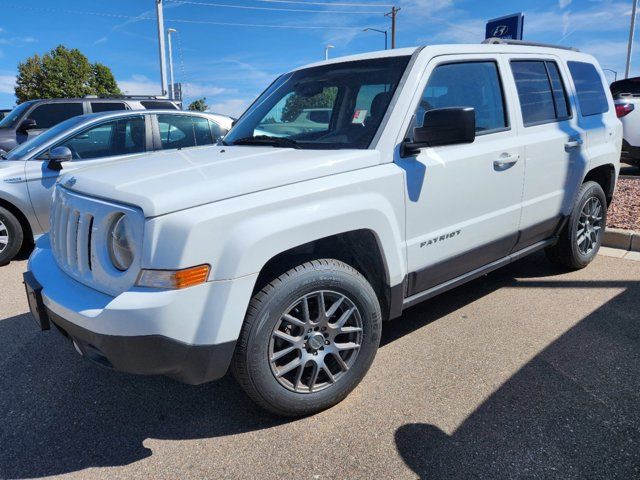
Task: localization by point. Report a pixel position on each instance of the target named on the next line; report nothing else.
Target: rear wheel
(11, 236)
(581, 237)
(308, 339)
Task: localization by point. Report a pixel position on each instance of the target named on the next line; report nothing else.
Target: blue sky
(230, 54)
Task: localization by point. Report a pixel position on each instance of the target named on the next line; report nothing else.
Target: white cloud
(142, 85)
(234, 107)
(100, 40)
(564, 3)
(7, 82)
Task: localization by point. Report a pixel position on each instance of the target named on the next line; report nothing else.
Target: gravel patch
(625, 209)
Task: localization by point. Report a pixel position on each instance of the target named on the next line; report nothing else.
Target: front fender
(239, 236)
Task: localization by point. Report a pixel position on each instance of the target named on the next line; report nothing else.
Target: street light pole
(163, 61)
(394, 11)
(171, 81)
(632, 30)
(326, 51)
(615, 74)
(379, 31)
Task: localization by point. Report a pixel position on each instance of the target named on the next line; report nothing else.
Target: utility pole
(394, 11)
(163, 61)
(632, 30)
(172, 92)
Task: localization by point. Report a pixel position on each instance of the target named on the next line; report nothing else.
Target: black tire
(9, 227)
(567, 252)
(251, 364)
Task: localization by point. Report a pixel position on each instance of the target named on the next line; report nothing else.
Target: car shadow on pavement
(573, 411)
(60, 413)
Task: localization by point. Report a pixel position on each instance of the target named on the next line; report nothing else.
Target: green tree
(200, 104)
(296, 103)
(61, 73)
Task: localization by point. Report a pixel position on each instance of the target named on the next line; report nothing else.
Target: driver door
(97, 144)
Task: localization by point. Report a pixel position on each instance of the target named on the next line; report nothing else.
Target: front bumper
(188, 334)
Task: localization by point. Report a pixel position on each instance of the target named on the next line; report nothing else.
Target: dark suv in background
(33, 117)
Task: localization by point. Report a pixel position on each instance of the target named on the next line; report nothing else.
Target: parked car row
(350, 190)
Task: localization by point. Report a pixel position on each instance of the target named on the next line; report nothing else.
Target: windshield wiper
(266, 140)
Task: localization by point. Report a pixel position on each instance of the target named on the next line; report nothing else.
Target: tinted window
(107, 106)
(563, 110)
(541, 91)
(11, 119)
(182, 131)
(50, 114)
(475, 84)
(118, 137)
(534, 91)
(588, 82)
(217, 130)
(628, 85)
(155, 105)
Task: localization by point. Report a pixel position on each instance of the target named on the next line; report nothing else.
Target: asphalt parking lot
(529, 372)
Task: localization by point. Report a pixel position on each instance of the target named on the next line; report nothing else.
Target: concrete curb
(622, 239)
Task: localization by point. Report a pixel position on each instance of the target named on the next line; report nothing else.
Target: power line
(227, 24)
(247, 7)
(331, 4)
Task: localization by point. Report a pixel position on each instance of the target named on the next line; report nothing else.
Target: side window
(49, 114)
(107, 106)
(182, 131)
(217, 130)
(591, 96)
(472, 84)
(158, 105)
(541, 92)
(117, 137)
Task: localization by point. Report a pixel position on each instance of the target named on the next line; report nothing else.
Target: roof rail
(129, 97)
(509, 41)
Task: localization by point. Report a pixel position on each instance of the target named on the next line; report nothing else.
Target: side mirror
(443, 126)
(57, 156)
(27, 124)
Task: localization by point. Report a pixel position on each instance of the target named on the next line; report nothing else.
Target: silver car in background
(29, 171)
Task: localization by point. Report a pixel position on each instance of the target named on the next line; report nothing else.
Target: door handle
(572, 144)
(506, 161)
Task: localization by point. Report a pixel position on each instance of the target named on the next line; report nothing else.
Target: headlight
(120, 243)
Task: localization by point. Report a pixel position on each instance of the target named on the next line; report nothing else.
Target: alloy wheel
(4, 236)
(315, 342)
(589, 225)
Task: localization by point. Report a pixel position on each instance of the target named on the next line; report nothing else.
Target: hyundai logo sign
(509, 27)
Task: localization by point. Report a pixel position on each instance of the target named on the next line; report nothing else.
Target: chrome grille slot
(72, 238)
(62, 235)
(85, 222)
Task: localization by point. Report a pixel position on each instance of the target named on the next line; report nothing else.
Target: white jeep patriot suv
(280, 256)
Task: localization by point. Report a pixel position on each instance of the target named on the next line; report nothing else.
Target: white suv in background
(281, 256)
(626, 94)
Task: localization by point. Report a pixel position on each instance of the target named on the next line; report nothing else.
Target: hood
(165, 182)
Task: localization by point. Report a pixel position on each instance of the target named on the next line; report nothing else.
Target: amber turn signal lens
(191, 276)
(174, 279)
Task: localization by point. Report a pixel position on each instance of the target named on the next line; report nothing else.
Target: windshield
(34, 144)
(333, 106)
(13, 117)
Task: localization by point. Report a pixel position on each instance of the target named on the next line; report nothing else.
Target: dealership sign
(509, 27)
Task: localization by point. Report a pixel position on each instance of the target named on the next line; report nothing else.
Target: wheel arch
(24, 222)
(605, 176)
(359, 248)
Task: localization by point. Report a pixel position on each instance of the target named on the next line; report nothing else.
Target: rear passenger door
(553, 145)
(182, 131)
(463, 201)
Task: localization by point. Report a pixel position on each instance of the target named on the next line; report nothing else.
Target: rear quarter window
(591, 94)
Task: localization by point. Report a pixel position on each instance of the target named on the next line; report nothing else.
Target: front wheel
(308, 339)
(11, 236)
(581, 237)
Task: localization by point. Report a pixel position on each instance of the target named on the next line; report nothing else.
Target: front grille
(71, 237)
(78, 226)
